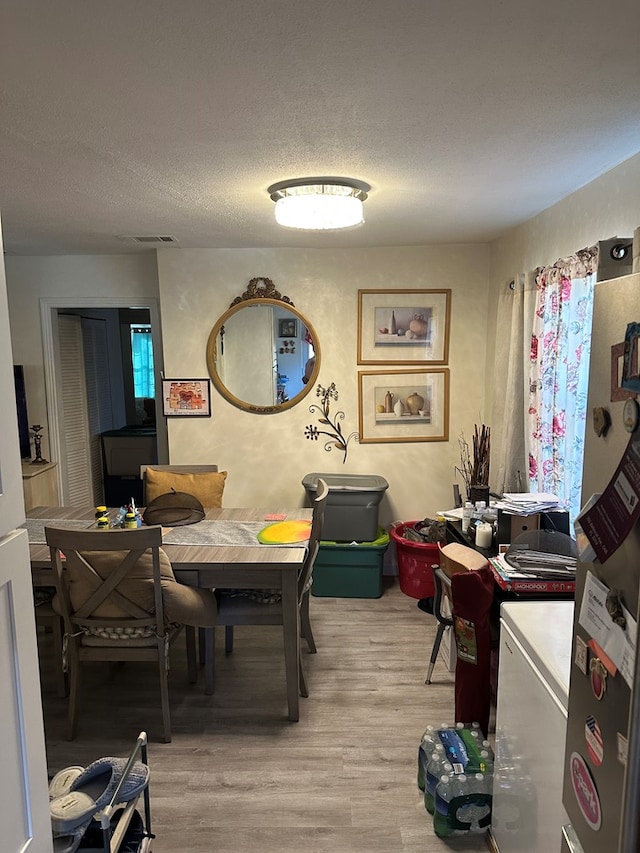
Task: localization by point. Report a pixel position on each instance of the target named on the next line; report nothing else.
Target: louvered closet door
(98, 386)
(77, 474)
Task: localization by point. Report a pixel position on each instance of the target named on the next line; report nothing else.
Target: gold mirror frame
(261, 291)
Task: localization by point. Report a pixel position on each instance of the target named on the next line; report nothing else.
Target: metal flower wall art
(331, 426)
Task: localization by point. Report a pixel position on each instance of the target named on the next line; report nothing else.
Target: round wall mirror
(263, 355)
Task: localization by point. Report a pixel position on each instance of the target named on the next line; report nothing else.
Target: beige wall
(607, 207)
(267, 456)
(29, 279)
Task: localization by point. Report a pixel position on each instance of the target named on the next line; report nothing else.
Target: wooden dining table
(209, 565)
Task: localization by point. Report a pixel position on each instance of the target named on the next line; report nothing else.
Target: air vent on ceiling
(149, 238)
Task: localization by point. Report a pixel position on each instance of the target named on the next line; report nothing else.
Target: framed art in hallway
(287, 328)
(186, 398)
(403, 405)
(403, 326)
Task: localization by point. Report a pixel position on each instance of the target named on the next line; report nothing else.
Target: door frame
(49, 307)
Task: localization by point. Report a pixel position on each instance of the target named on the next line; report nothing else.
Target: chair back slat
(313, 546)
(131, 544)
(106, 587)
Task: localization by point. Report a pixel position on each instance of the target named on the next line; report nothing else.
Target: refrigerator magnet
(630, 414)
(601, 421)
(581, 655)
(585, 791)
(598, 678)
(623, 747)
(593, 737)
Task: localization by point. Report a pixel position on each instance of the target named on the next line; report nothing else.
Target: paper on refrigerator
(617, 643)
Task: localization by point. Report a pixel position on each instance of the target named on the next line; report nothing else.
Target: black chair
(442, 593)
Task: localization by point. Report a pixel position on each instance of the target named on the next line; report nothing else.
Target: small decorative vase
(415, 402)
(398, 408)
(479, 493)
(419, 326)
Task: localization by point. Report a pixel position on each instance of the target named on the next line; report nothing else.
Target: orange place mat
(285, 533)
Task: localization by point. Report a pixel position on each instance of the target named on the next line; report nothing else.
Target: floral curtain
(559, 374)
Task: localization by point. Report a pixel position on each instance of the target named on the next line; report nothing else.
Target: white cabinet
(531, 720)
(40, 484)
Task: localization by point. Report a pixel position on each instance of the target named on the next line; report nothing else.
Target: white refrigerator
(24, 802)
(531, 718)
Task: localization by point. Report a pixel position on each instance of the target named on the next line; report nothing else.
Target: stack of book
(534, 571)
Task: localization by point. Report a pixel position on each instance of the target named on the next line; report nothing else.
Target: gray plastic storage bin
(351, 512)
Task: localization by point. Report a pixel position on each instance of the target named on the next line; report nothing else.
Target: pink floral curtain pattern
(559, 375)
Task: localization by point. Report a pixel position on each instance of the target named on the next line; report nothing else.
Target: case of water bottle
(455, 772)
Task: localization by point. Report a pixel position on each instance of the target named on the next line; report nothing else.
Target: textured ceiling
(149, 117)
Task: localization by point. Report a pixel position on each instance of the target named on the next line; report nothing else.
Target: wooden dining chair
(204, 482)
(243, 610)
(53, 624)
(120, 602)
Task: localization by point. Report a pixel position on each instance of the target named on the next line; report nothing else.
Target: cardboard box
(511, 526)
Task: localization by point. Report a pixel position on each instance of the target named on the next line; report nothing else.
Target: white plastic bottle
(441, 818)
(487, 745)
(466, 516)
(476, 813)
(427, 743)
(432, 773)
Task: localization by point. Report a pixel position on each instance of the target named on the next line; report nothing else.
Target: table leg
(209, 659)
(291, 632)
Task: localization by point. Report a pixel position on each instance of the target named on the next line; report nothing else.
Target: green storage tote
(345, 570)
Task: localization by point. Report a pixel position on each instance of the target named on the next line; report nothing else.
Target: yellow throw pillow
(206, 486)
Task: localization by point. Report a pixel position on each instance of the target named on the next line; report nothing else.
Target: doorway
(90, 395)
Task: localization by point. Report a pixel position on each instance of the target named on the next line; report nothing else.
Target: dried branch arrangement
(474, 467)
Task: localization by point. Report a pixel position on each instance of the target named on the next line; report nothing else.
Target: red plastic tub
(415, 560)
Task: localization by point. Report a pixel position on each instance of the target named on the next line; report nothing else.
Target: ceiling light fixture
(319, 204)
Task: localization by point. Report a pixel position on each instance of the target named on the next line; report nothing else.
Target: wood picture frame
(186, 398)
(288, 327)
(619, 393)
(405, 326)
(424, 412)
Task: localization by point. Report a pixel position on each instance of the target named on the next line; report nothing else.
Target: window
(142, 360)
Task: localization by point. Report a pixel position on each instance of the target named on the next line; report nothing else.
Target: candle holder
(36, 429)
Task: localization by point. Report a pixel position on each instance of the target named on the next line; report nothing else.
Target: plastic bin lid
(347, 482)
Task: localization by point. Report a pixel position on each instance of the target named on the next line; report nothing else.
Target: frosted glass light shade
(319, 204)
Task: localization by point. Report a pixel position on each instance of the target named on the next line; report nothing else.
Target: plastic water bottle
(444, 794)
(427, 743)
(437, 769)
(474, 809)
(466, 516)
(433, 772)
(455, 748)
(487, 745)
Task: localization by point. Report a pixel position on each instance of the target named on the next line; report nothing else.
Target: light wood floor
(238, 776)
